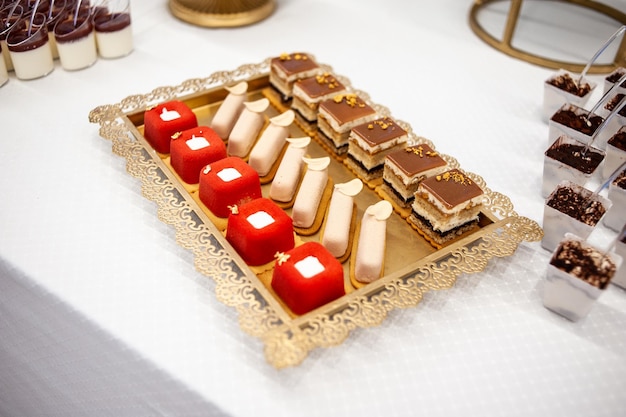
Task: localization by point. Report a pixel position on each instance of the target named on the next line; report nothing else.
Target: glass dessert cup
(612, 78)
(615, 152)
(562, 88)
(30, 48)
(577, 275)
(114, 35)
(4, 74)
(569, 159)
(613, 122)
(76, 41)
(9, 15)
(619, 278)
(571, 120)
(615, 217)
(571, 208)
(53, 15)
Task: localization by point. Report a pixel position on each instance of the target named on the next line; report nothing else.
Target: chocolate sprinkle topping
(584, 262)
(583, 208)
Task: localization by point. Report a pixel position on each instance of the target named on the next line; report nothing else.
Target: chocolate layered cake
(403, 171)
(337, 116)
(368, 145)
(446, 206)
(309, 92)
(287, 68)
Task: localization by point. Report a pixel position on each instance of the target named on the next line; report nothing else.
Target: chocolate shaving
(619, 140)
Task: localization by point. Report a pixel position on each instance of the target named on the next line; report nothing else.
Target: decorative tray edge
(288, 341)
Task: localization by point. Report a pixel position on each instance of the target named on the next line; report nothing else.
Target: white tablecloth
(103, 314)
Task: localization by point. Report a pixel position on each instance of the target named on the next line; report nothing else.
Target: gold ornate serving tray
(412, 266)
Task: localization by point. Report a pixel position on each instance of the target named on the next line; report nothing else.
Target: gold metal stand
(505, 45)
(222, 13)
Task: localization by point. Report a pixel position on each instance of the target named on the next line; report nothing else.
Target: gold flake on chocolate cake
(309, 92)
(446, 206)
(405, 168)
(287, 68)
(337, 116)
(368, 145)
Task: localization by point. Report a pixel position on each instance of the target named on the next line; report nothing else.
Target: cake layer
(309, 92)
(443, 222)
(287, 68)
(451, 192)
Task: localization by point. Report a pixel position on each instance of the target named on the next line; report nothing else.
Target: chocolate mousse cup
(615, 218)
(567, 159)
(76, 42)
(4, 74)
(571, 208)
(114, 35)
(570, 120)
(562, 87)
(30, 48)
(577, 274)
(612, 78)
(8, 17)
(615, 123)
(615, 153)
(619, 278)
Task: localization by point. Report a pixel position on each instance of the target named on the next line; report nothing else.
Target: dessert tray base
(412, 265)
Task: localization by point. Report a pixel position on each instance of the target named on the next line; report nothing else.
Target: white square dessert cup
(614, 156)
(556, 129)
(611, 128)
(566, 294)
(615, 218)
(556, 223)
(554, 97)
(619, 278)
(555, 171)
(617, 73)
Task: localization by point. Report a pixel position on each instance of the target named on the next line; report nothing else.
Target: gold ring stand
(222, 13)
(505, 45)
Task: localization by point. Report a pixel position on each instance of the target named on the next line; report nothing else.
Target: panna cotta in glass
(9, 15)
(29, 47)
(76, 41)
(114, 35)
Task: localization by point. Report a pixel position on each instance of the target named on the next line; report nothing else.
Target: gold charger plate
(412, 265)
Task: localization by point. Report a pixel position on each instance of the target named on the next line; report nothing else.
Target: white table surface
(103, 314)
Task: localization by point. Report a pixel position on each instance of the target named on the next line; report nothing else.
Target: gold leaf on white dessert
(317, 164)
(350, 188)
(299, 143)
(238, 89)
(381, 210)
(257, 106)
(284, 119)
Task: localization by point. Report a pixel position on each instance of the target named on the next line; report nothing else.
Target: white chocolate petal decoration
(381, 210)
(317, 164)
(257, 106)
(238, 89)
(284, 119)
(299, 143)
(350, 188)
